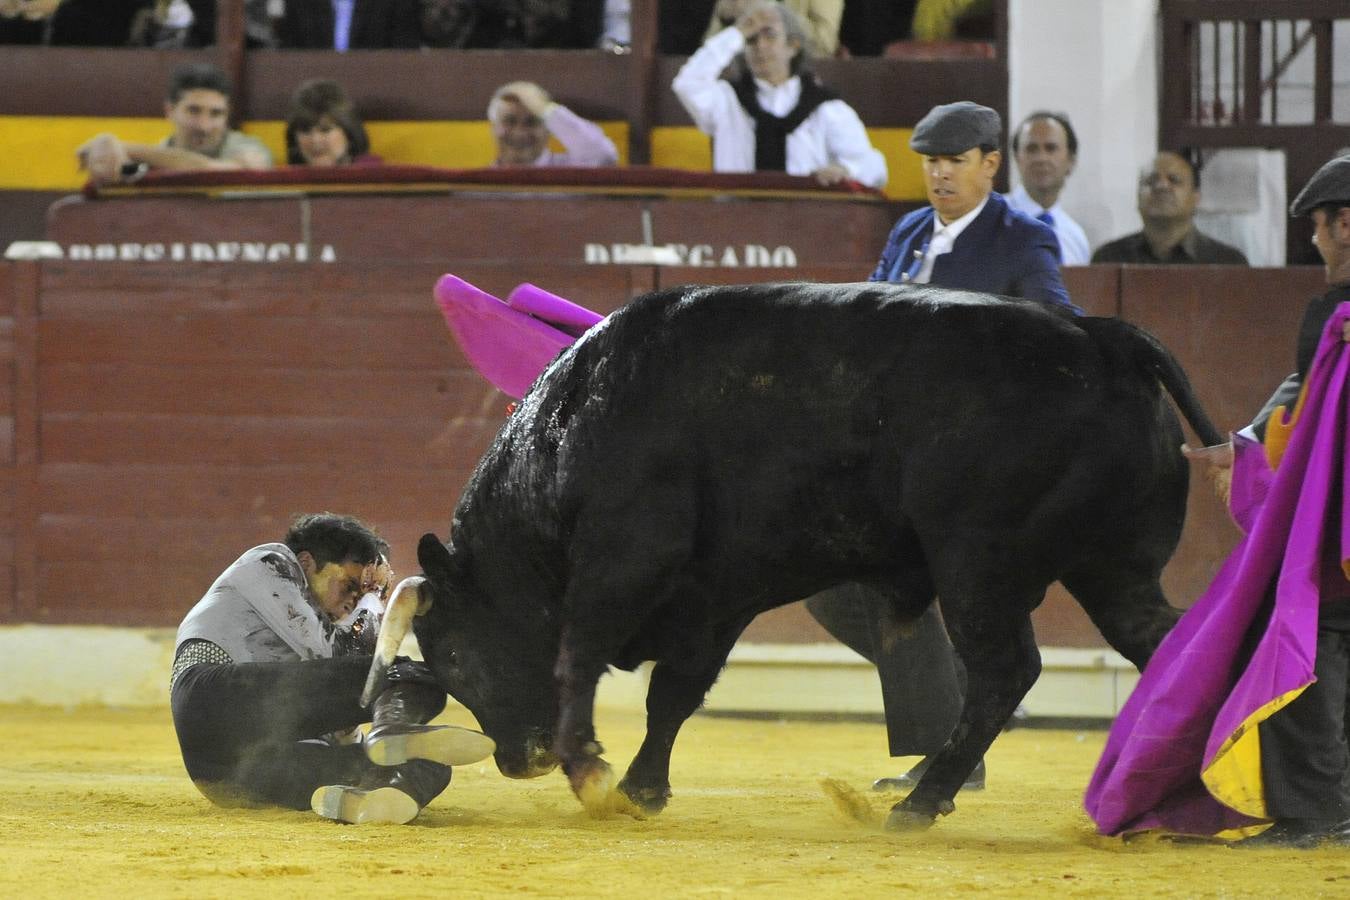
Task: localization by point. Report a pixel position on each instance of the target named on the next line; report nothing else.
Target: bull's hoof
(593, 784)
(908, 820)
(905, 817)
(650, 800)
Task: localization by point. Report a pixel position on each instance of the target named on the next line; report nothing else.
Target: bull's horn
(406, 603)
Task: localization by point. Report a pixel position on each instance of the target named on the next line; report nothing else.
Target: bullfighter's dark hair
(1070, 137)
(198, 77)
(329, 537)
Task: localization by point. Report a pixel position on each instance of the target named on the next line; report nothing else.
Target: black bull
(709, 453)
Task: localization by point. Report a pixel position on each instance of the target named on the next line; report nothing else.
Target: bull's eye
(452, 658)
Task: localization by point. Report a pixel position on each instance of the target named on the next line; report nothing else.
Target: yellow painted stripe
(39, 151)
(685, 147)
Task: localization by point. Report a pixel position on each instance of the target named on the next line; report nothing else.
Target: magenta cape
(510, 342)
(1184, 753)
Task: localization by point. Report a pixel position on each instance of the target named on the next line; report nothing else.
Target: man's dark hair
(1070, 138)
(198, 77)
(332, 538)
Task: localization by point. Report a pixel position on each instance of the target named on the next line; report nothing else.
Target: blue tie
(342, 23)
(1046, 218)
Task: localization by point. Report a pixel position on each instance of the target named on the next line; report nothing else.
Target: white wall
(1100, 61)
(1095, 60)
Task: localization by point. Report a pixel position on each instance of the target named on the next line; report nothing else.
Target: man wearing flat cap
(1305, 763)
(968, 238)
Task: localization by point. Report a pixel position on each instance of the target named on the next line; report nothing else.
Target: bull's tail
(1128, 343)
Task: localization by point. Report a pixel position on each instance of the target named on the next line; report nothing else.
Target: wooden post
(230, 43)
(642, 80)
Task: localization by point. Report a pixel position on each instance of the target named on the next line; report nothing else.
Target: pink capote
(510, 342)
(1196, 694)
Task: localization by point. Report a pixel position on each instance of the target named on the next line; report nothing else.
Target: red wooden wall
(157, 419)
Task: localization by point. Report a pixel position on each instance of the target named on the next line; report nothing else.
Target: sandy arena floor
(96, 804)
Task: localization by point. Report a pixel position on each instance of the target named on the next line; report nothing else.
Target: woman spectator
(324, 129)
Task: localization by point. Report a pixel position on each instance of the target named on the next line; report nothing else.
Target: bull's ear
(434, 558)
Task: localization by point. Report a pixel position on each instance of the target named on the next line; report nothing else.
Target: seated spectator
(820, 19)
(323, 127)
(70, 23)
(776, 116)
(259, 23)
(1169, 193)
(522, 117)
(512, 24)
(198, 105)
(943, 20)
(351, 24)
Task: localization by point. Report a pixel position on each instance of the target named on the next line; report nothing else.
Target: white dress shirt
(833, 133)
(943, 239)
(1073, 243)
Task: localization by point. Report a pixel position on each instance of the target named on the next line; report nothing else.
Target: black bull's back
(709, 453)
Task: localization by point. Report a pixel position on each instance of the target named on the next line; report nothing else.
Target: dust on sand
(96, 804)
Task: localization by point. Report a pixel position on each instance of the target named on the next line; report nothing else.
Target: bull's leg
(672, 697)
(996, 643)
(577, 673)
(1127, 606)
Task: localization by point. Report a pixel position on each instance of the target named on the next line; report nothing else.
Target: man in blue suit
(968, 238)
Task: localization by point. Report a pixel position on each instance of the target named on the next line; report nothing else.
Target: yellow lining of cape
(1278, 430)
(1234, 776)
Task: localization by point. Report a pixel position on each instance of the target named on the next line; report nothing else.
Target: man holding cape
(1240, 717)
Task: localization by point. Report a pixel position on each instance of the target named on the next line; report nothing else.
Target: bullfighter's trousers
(922, 681)
(1305, 759)
(251, 732)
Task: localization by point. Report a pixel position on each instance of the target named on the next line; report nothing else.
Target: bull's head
(502, 672)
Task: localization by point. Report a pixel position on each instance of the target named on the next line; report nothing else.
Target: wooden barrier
(156, 419)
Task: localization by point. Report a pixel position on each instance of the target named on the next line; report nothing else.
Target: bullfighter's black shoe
(359, 806)
(449, 745)
(907, 781)
(1298, 834)
(391, 796)
(399, 732)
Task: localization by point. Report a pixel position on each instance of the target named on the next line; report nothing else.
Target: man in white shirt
(1046, 149)
(776, 116)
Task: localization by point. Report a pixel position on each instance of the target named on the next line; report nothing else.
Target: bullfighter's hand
(531, 96)
(1345, 331)
(1219, 460)
(831, 174)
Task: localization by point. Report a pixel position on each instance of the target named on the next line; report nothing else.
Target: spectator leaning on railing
(198, 105)
(323, 127)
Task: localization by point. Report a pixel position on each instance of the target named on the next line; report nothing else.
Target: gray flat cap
(954, 128)
(1330, 184)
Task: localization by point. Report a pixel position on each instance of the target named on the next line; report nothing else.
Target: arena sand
(94, 803)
